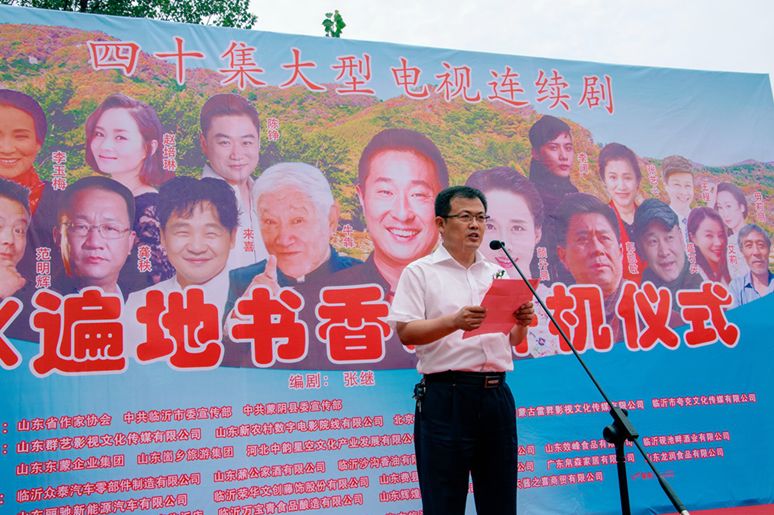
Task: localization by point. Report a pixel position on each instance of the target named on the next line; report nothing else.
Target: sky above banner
(696, 34)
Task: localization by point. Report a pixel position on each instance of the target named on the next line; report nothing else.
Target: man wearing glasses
(465, 422)
(94, 234)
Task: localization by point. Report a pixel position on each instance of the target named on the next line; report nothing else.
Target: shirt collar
(209, 172)
(216, 280)
(441, 254)
(748, 279)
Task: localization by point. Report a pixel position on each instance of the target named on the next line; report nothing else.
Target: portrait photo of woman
(731, 205)
(709, 237)
(123, 141)
(621, 176)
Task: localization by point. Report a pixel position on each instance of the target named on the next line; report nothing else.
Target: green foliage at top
(333, 24)
(224, 13)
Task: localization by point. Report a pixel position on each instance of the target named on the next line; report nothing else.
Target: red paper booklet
(503, 298)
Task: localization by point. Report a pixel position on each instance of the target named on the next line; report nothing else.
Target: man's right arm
(422, 332)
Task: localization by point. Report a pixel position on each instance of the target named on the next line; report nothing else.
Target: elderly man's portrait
(298, 216)
(759, 280)
(94, 234)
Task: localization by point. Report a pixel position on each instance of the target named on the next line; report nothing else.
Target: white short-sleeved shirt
(437, 285)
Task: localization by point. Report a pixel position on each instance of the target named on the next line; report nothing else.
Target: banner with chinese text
(201, 231)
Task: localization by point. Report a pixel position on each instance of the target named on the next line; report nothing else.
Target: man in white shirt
(198, 225)
(465, 420)
(230, 140)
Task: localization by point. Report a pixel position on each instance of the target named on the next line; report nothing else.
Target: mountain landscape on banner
(325, 129)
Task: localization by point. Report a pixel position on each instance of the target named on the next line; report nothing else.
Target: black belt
(482, 379)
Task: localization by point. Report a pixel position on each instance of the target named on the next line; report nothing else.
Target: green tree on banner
(225, 13)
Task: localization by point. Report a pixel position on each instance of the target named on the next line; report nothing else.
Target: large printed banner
(201, 231)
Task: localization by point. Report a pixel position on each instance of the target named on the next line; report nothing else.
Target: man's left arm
(523, 316)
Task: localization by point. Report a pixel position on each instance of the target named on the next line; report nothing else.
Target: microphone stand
(621, 429)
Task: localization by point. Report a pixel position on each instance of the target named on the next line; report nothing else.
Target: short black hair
(653, 210)
(618, 152)
(227, 104)
(578, 204)
(97, 182)
(29, 105)
(444, 198)
(508, 179)
(15, 193)
(179, 196)
(548, 128)
(402, 140)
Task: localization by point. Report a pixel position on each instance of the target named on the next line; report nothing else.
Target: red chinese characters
(456, 81)
(579, 311)
(241, 66)
(552, 88)
(181, 328)
(9, 310)
(356, 73)
(646, 313)
(272, 326)
(596, 91)
(114, 55)
(352, 323)
(704, 306)
(297, 66)
(506, 87)
(80, 333)
(180, 58)
(407, 77)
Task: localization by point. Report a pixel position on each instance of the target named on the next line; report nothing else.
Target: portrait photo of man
(298, 216)
(589, 247)
(230, 140)
(400, 172)
(14, 221)
(759, 281)
(198, 224)
(677, 173)
(661, 244)
(94, 235)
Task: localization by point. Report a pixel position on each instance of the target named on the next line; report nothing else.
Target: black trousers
(465, 426)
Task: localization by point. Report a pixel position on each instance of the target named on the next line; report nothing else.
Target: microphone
(619, 418)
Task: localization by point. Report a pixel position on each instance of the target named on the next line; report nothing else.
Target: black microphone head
(495, 244)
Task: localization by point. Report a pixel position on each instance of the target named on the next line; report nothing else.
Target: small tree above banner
(333, 24)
